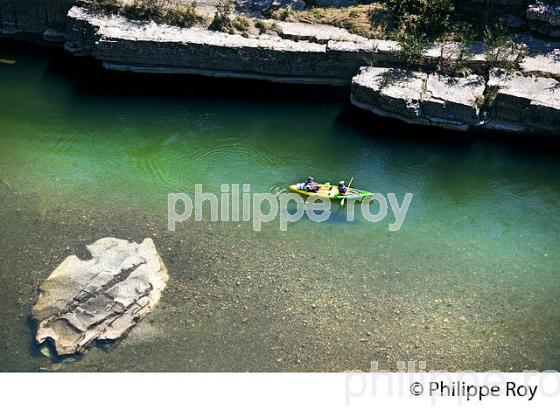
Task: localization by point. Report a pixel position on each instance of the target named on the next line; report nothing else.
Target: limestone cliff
(305, 53)
(506, 101)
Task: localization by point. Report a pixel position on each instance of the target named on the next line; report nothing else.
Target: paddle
(348, 187)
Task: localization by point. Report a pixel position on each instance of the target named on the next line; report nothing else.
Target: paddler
(342, 188)
(310, 185)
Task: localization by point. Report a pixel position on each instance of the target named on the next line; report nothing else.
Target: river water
(470, 282)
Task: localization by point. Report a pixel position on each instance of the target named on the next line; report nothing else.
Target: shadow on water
(32, 328)
(395, 132)
(89, 78)
(35, 352)
(34, 349)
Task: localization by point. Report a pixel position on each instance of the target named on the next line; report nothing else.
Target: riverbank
(528, 102)
(522, 100)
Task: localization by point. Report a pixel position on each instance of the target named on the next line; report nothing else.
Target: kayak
(331, 192)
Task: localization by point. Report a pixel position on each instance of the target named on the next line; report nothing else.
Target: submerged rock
(101, 298)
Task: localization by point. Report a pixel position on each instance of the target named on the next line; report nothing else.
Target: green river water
(470, 282)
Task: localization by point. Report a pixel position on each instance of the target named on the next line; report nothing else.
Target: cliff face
(149, 47)
(303, 53)
(506, 101)
(420, 98)
(527, 102)
(33, 16)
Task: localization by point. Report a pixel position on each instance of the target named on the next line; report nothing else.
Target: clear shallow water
(469, 282)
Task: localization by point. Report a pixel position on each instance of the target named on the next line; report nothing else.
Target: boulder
(102, 298)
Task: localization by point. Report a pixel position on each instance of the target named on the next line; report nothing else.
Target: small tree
(501, 49)
(412, 47)
(455, 55)
(429, 17)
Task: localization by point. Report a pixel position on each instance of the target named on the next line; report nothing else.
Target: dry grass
(184, 13)
(367, 20)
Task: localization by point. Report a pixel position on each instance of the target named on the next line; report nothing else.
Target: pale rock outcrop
(303, 53)
(420, 98)
(510, 101)
(102, 298)
(524, 103)
(543, 56)
(148, 47)
(454, 99)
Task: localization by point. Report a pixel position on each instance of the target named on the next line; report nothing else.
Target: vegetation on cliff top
(158, 11)
(413, 23)
(181, 14)
(417, 23)
(367, 20)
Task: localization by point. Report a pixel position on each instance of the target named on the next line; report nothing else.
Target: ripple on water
(174, 165)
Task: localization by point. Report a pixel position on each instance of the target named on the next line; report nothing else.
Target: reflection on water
(469, 282)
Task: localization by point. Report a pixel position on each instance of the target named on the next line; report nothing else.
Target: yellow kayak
(331, 192)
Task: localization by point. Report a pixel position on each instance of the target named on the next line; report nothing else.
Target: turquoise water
(470, 282)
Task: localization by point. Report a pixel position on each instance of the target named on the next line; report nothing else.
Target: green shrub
(318, 13)
(501, 49)
(184, 16)
(150, 10)
(285, 14)
(222, 20)
(241, 23)
(349, 25)
(486, 101)
(412, 48)
(144, 10)
(105, 6)
(427, 17)
(261, 26)
(455, 56)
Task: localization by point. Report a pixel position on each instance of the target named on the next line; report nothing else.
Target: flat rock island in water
(101, 298)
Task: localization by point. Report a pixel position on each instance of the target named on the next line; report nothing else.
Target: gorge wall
(527, 101)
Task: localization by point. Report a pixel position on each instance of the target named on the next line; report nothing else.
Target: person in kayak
(342, 188)
(310, 185)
